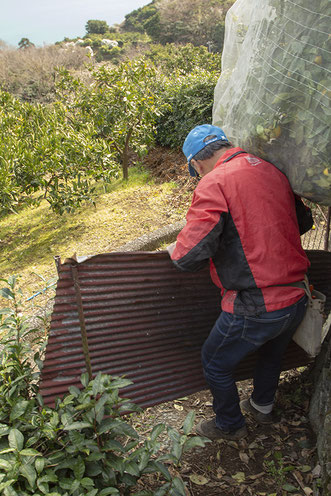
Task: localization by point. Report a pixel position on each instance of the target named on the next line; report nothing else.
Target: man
(243, 220)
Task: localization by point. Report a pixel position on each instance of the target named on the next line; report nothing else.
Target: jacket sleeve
(199, 239)
(304, 215)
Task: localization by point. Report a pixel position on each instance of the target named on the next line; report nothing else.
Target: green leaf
(97, 384)
(39, 464)
(49, 477)
(156, 466)
(4, 429)
(77, 425)
(119, 383)
(157, 430)
(19, 409)
(16, 439)
(192, 442)
(84, 379)
(79, 469)
(6, 293)
(5, 465)
(94, 492)
(188, 422)
(30, 452)
(86, 482)
(289, 488)
(29, 473)
(108, 490)
(8, 483)
(132, 469)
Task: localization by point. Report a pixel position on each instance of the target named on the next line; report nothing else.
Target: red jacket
(243, 220)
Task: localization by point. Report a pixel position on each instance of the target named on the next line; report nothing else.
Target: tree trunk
(320, 412)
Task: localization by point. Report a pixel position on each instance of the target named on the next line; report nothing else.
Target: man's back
(243, 217)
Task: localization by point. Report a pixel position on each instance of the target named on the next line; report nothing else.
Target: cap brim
(192, 171)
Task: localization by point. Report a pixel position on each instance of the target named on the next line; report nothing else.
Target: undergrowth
(83, 445)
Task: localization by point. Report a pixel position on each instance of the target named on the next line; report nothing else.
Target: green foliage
(181, 21)
(82, 446)
(120, 104)
(183, 58)
(41, 148)
(145, 19)
(25, 43)
(59, 151)
(188, 100)
(95, 26)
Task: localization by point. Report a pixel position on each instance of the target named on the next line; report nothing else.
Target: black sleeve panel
(304, 215)
(200, 254)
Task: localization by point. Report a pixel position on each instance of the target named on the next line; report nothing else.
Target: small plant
(278, 469)
(84, 445)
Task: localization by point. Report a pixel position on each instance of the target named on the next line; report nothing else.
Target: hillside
(181, 21)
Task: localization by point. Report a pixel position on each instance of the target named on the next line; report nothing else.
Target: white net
(273, 96)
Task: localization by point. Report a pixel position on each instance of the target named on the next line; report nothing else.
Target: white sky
(48, 21)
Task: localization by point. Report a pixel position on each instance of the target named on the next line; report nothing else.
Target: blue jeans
(231, 339)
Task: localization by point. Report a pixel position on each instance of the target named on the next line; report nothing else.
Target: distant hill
(181, 21)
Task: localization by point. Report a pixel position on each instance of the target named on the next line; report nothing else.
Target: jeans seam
(284, 325)
(220, 345)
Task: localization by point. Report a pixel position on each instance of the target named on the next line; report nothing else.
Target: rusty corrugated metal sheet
(143, 319)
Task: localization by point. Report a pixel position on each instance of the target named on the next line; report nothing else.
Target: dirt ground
(274, 460)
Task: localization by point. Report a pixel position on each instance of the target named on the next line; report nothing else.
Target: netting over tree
(273, 96)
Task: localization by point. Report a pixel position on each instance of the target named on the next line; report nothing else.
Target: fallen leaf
(308, 491)
(256, 476)
(244, 457)
(196, 402)
(208, 403)
(289, 488)
(304, 468)
(253, 445)
(178, 407)
(233, 444)
(200, 480)
(220, 472)
(317, 471)
(239, 477)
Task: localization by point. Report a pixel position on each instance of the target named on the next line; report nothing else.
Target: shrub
(183, 58)
(82, 446)
(188, 102)
(41, 148)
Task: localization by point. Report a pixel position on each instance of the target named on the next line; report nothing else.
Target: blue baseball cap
(196, 141)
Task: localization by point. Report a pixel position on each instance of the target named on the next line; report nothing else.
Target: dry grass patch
(30, 239)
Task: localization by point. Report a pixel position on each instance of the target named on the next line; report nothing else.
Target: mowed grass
(30, 239)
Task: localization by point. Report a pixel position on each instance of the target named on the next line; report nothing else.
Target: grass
(30, 239)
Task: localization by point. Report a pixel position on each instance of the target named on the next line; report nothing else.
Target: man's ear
(196, 166)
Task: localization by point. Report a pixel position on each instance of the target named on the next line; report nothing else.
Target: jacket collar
(226, 155)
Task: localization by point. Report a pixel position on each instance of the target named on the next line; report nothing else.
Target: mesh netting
(273, 96)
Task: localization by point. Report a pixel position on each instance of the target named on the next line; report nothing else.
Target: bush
(183, 58)
(42, 149)
(82, 446)
(188, 102)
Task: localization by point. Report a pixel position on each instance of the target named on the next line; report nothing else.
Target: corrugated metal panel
(143, 319)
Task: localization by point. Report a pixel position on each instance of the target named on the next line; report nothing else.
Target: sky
(48, 21)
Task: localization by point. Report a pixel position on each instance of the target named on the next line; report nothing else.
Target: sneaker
(207, 428)
(261, 418)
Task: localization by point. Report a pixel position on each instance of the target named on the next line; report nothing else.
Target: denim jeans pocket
(260, 330)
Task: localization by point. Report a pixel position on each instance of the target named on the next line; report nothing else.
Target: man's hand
(171, 248)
